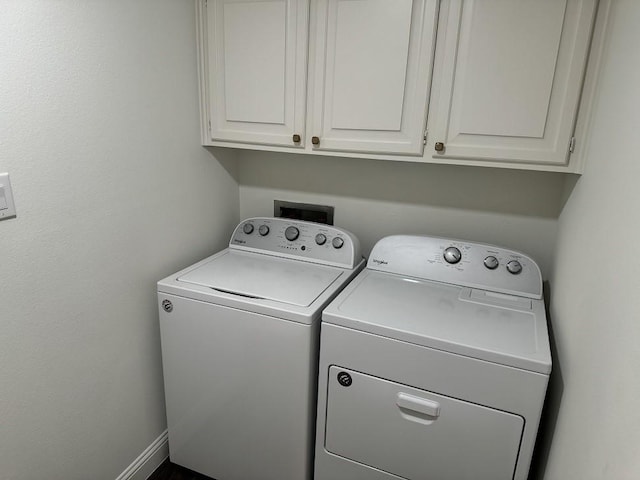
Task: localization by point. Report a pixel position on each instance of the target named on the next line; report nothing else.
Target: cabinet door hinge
(572, 144)
(424, 138)
(209, 122)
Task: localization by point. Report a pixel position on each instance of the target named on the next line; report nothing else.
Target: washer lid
(264, 277)
(490, 326)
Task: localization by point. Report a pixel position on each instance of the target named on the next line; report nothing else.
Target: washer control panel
(309, 241)
(458, 262)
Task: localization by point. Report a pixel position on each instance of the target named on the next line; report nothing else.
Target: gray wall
(593, 426)
(99, 131)
(515, 209)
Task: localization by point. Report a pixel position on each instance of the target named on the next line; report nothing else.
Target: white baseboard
(149, 460)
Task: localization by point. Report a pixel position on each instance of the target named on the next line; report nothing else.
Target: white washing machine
(239, 337)
(434, 364)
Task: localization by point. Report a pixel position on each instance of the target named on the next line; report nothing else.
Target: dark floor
(171, 471)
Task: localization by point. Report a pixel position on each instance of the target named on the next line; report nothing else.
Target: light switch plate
(7, 206)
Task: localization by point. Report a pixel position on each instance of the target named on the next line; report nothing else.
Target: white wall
(374, 199)
(595, 300)
(99, 131)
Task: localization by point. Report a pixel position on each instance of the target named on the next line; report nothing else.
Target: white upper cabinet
(368, 80)
(481, 82)
(254, 66)
(508, 79)
(369, 74)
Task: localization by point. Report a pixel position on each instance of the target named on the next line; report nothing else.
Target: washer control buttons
(491, 262)
(263, 230)
(247, 228)
(321, 239)
(337, 242)
(514, 267)
(291, 233)
(452, 255)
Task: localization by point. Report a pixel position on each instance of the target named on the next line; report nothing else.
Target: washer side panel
(239, 391)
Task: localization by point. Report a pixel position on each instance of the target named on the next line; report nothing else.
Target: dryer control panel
(458, 262)
(300, 240)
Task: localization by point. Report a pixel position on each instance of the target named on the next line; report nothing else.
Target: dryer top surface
(500, 328)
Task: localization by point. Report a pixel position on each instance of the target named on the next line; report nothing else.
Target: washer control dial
(491, 262)
(452, 255)
(321, 239)
(514, 267)
(247, 228)
(337, 242)
(263, 230)
(291, 233)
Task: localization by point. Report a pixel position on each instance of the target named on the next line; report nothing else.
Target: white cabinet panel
(370, 74)
(256, 70)
(498, 65)
(362, 95)
(255, 53)
(507, 79)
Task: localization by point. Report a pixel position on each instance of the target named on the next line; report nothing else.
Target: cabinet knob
(439, 146)
(315, 140)
(296, 138)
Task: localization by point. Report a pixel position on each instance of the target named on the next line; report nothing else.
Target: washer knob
(452, 255)
(247, 228)
(291, 233)
(337, 242)
(491, 262)
(514, 267)
(263, 230)
(321, 239)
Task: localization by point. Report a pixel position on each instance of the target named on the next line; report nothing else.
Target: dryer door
(417, 434)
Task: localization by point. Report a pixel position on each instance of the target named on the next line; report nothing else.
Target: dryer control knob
(337, 242)
(452, 255)
(263, 230)
(291, 233)
(514, 267)
(321, 239)
(491, 262)
(247, 228)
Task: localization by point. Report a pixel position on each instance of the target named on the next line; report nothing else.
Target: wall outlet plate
(303, 211)
(7, 205)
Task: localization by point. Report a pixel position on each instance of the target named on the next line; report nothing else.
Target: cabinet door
(256, 59)
(370, 74)
(507, 79)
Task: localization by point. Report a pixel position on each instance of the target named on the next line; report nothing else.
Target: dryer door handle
(418, 404)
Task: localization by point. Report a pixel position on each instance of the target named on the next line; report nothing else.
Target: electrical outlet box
(303, 211)
(7, 206)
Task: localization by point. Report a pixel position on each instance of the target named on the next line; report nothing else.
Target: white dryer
(239, 335)
(434, 364)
